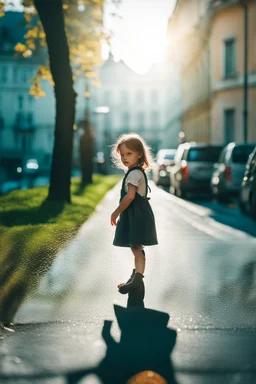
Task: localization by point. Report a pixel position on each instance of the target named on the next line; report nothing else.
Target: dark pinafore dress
(136, 224)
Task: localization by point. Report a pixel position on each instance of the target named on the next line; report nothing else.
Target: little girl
(136, 225)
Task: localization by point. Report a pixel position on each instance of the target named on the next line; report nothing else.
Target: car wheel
(253, 206)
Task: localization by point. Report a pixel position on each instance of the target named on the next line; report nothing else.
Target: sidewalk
(192, 276)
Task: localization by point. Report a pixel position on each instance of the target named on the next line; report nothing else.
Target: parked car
(247, 196)
(229, 171)
(193, 168)
(164, 162)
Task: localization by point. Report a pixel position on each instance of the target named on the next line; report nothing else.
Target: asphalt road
(199, 325)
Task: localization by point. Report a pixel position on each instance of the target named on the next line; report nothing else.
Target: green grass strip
(32, 231)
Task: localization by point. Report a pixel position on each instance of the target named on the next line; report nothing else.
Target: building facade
(227, 72)
(208, 37)
(26, 123)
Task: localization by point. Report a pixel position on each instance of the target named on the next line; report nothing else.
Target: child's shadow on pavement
(143, 353)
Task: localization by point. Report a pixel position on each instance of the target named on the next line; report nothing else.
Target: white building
(137, 103)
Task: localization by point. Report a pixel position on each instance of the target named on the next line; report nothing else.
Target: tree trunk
(51, 16)
(86, 153)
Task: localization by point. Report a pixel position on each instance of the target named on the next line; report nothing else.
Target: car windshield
(241, 153)
(169, 156)
(207, 154)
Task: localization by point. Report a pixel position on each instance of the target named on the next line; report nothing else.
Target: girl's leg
(139, 258)
(136, 278)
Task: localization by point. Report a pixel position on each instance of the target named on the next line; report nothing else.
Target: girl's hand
(114, 216)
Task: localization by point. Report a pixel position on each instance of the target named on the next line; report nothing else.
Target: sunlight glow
(140, 34)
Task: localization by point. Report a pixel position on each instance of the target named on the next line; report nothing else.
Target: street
(202, 275)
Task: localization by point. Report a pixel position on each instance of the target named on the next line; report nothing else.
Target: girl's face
(129, 157)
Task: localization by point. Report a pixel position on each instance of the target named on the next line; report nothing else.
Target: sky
(140, 36)
(140, 33)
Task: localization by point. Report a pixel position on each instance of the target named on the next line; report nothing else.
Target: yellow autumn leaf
(37, 91)
(19, 47)
(31, 44)
(32, 33)
(27, 53)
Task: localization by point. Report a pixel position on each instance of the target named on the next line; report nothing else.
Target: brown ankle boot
(129, 280)
(134, 284)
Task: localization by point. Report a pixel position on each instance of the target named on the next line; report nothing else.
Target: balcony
(24, 123)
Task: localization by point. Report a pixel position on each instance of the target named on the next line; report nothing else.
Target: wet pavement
(199, 325)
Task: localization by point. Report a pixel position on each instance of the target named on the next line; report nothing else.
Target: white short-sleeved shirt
(136, 178)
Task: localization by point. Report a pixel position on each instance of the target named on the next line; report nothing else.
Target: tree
(51, 16)
(52, 31)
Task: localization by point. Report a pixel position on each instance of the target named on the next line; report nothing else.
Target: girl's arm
(125, 202)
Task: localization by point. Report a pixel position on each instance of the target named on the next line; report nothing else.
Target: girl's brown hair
(136, 143)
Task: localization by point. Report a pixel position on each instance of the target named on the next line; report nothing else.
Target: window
(24, 76)
(4, 75)
(241, 153)
(169, 156)
(21, 101)
(207, 154)
(155, 119)
(30, 119)
(140, 119)
(15, 75)
(229, 58)
(124, 97)
(139, 98)
(126, 120)
(229, 125)
(19, 120)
